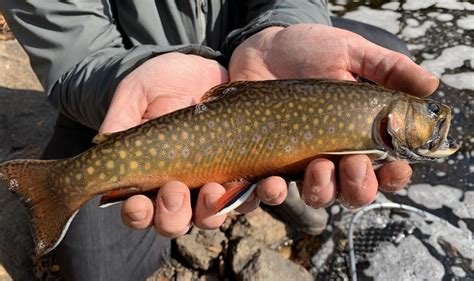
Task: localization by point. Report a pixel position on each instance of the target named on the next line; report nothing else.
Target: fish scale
(242, 132)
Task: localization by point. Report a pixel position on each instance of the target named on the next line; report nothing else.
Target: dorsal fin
(223, 90)
(100, 138)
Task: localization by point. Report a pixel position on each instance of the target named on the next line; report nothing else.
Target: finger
(173, 211)
(137, 212)
(394, 176)
(272, 190)
(357, 181)
(388, 68)
(249, 205)
(204, 217)
(319, 188)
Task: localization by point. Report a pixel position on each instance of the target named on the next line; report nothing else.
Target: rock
(260, 226)
(201, 247)
(253, 261)
(15, 68)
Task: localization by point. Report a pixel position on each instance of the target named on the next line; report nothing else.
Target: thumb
(126, 108)
(389, 69)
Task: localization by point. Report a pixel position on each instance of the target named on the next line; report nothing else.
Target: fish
(240, 133)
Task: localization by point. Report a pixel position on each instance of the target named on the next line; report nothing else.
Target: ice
(450, 58)
(464, 80)
(445, 17)
(387, 20)
(391, 6)
(435, 197)
(466, 22)
(454, 5)
(417, 4)
(416, 31)
(402, 262)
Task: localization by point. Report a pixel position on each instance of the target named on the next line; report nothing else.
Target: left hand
(317, 51)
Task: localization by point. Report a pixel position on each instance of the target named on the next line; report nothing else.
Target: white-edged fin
(238, 201)
(63, 233)
(379, 154)
(109, 204)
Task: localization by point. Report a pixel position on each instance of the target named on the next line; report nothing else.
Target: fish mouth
(439, 144)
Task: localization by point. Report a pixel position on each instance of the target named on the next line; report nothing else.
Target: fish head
(417, 129)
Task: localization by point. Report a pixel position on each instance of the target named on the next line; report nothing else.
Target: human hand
(317, 51)
(161, 85)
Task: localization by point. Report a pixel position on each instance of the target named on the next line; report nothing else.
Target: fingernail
(173, 201)
(211, 199)
(357, 172)
(137, 216)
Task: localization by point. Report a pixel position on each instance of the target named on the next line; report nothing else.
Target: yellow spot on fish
(161, 164)
(98, 162)
(110, 164)
(78, 176)
(114, 178)
(341, 125)
(321, 101)
(291, 105)
(147, 165)
(320, 141)
(161, 137)
(138, 153)
(351, 126)
(321, 131)
(153, 151)
(296, 126)
(268, 112)
(316, 121)
(122, 169)
(149, 133)
(122, 154)
(138, 143)
(133, 165)
(90, 170)
(184, 135)
(67, 179)
(117, 144)
(320, 110)
(102, 176)
(330, 107)
(333, 141)
(174, 137)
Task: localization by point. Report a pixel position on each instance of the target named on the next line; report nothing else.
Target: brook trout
(240, 133)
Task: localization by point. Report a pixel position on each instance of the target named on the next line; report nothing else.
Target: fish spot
(78, 176)
(287, 148)
(171, 154)
(351, 126)
(296, 126)
(330, 107)
(184, 135)
(90, 170)
(114, 178)
(174, 137)
(316, 122)
(293, 139)
(110, 164)
(341, 125)
(153, 151)
(138, 143)
(138, 153)
(161, 137)
(147, 166)
(117, 144)
(270, 145)
(122, 169)
(308, 136)
(122, 154)
(185, 152)
(133, 165)
(321, 101)
(102, 176)
(320, 141)
(268, 112)
(98, 163)
(321, 131)
(106, 150)
(291, 105)
(257, 138)
(67, 180)
(320, 110)
(331, 130)
(161, 164)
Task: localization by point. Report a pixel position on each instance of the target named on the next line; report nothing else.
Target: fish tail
(32, 181)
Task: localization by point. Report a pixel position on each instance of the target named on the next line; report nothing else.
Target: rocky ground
(389, 243)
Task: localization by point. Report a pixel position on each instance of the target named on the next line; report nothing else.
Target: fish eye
(433, 108)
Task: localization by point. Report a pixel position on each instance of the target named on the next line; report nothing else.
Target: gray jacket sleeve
(277, 13)
(78, 53)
